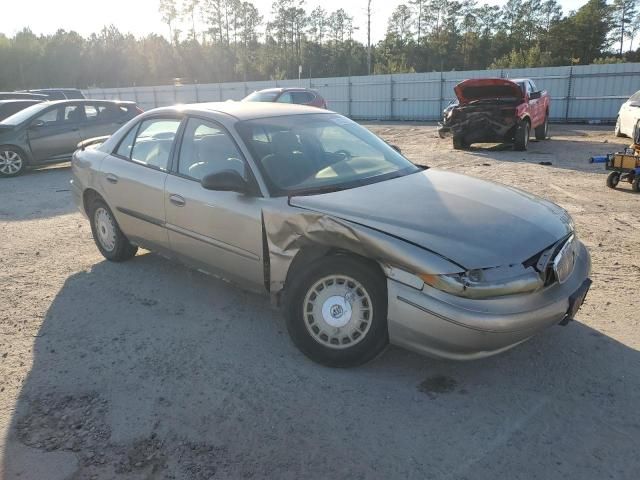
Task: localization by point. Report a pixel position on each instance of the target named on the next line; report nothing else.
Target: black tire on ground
(543, 130)
(109, 239)
(312, 294)
(613, 179)
(635, 185)
(521, 140)
(13, 161)
(617, 131)
(459, 143)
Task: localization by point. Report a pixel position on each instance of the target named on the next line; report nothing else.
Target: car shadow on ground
(147, 369)
(38, 193)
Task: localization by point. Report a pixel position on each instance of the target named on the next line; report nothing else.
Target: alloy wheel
(10, 162)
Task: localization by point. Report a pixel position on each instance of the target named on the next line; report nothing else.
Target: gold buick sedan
(359, 246)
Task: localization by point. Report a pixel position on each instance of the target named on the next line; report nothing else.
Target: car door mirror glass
(225, 181)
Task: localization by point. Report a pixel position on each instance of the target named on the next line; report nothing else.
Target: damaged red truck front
(497, 110)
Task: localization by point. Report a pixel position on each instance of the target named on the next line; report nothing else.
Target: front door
(55, 134)
(220, 232)
(134, 177)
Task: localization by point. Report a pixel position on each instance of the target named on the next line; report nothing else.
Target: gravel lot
(149, 370)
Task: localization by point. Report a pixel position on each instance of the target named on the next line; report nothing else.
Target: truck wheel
(521, 140)
(635, 185)
(613, 179)
(543, 130)
(459, 143)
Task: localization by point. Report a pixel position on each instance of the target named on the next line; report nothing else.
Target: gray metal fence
(579, 93)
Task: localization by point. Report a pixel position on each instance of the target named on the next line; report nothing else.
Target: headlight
(486, 283)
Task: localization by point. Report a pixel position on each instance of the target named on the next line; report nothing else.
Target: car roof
(287, 89)
(89, 100)
(244, 110)
(21, 100)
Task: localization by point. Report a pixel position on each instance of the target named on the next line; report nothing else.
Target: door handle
(111, 178)
(177, 200)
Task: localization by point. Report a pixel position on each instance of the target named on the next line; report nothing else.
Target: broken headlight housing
(487, 283)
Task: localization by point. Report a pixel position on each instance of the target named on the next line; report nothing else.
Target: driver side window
(207, 148)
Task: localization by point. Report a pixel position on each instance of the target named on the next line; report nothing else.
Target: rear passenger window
(301, 98)
(206, 149)
(153, 144)
(124, 150)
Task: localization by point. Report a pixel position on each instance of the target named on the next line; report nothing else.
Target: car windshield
(306, 154)
(24, 115)
(262, 97)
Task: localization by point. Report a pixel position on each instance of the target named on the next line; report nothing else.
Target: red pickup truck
(497, 110)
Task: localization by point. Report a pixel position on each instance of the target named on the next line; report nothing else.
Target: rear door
(220, 232)
(55, 133)
(133, 178)
(102, 119)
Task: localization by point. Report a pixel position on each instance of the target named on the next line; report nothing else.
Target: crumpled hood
(483, 88)
(472, 222)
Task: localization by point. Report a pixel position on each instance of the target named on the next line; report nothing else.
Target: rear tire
(613, 179)
(543, 130)
(110, 240)
(521, 140)
(336, 311)
(12, 161)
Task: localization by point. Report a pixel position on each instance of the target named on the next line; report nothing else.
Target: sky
(141, 17)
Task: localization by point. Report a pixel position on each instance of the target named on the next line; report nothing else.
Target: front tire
(613, 179)
(110, 240)
(12, 162)
(521, 140)
(337, 311)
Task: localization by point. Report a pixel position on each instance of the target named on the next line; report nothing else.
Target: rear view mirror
(225, 181)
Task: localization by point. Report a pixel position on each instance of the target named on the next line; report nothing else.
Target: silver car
(359, 246)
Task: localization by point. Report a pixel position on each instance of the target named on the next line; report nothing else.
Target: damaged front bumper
(441, 325)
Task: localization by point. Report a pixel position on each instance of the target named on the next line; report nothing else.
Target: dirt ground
(148, 370)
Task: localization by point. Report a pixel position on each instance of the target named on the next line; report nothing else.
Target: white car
(629, 117)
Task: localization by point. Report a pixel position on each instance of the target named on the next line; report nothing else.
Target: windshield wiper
(318, 190)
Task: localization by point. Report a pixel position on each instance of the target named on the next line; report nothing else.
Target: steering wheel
(346, 155)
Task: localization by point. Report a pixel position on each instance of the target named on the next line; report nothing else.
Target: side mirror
(37, 124)
(225, 181)
(535, 95)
